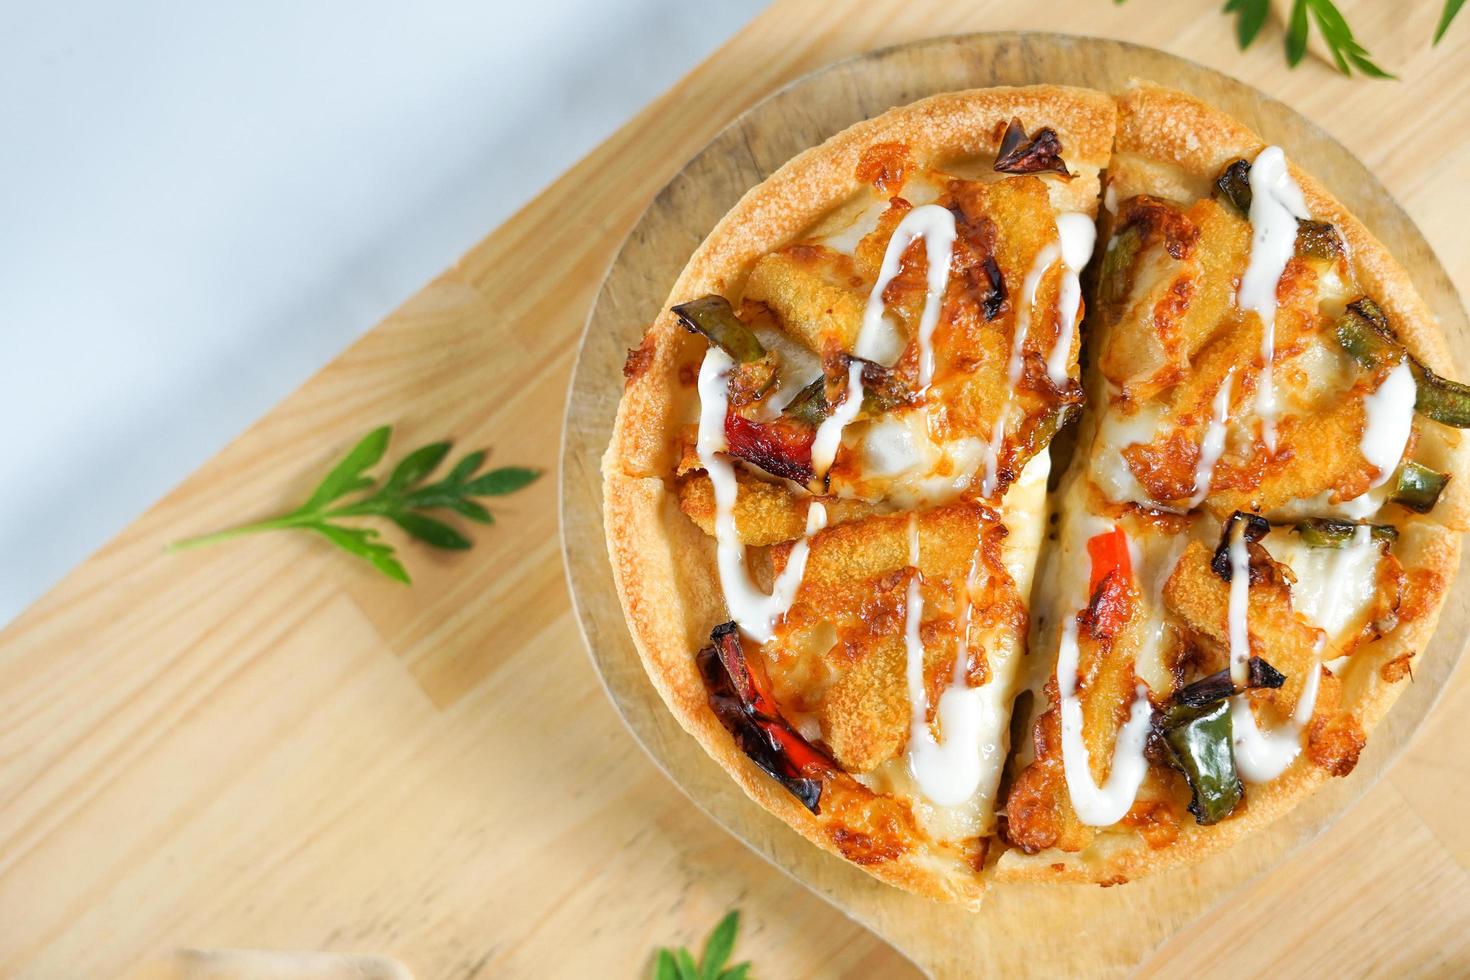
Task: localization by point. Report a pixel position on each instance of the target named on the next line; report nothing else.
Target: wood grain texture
(1110, 930)
(262, 745)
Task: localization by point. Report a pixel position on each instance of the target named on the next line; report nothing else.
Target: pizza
(1035, 484)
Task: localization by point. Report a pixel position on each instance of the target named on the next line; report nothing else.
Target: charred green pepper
(1234, 184)
(1418, 487)
(1117, 265)
(1324, 532)
(1199, 738)
(810, 404)
(713, 318)
(1317, 240)
(1365, 333)
(1445, 401)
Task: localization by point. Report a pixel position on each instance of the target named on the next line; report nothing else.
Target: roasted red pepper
(782, 447)
(740, 695)
(1109, 551)
(1110, 585)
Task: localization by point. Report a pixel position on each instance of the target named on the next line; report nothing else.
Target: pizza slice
(826, 489)
(1261, 518)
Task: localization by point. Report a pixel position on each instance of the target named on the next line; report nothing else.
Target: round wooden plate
(1053, 929)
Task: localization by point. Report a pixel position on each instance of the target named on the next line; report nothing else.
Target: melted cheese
(1276, 204)
(1044, 259)
(755, 612)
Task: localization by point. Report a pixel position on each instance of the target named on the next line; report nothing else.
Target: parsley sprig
(1346, 51)
(403, 499)
(679, 964)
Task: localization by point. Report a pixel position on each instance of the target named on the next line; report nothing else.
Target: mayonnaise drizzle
(948, 772)
(1078, 235)
(755, 612)
(1276, 204)
(1044, 259)
(934, 224)
(1388, 419)
(1240, 582)
(1213, 444)
(1099, 806)
(1261, 756)
(829, 432)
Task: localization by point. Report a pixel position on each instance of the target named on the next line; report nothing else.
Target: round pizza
(1035, 484)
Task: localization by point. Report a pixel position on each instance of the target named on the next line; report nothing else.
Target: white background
(201, 203)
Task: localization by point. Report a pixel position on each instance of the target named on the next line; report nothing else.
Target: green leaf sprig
(403, 499)
(1347, 53)
(679, 964)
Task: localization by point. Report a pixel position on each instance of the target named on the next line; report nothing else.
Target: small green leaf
(736, 972)
(1296, 34)
(363, 542)
(431, 531)
(415, 466)
(685, 962)
(505, 480)
(664, 968)
(472, 510)
(347, 476)
(717, 948)
(1367, 67)
(465, 468)
(1250, 17)
(1451, 8)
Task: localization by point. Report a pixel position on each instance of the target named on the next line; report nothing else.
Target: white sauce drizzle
(1078, 234)
(1389, 418)
(1240, 580)
(1213, 445)
(755, 612)
(948, 773)
(1261, 756)
(934, 224)
(829, 432)
(1099, 806)
(1043, 261)
(1276, 204)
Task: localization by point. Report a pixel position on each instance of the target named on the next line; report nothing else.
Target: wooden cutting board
(1047, 929)
(263, 745)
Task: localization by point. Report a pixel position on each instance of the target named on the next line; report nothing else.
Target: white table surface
(202, 203)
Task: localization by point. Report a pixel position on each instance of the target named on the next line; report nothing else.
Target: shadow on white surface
(201, 204)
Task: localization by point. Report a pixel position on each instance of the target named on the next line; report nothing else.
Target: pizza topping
(1325, 532)
(1388, 422)
(755, 611)
(1212, 446)
(1418, 487)
(1078, 235)
(1276, 203)
(1037, 154)
(948, 772)
(713, 318)
(1199, 742)
(1208, 690)
(829, 434)
(1234, 184)
(739, 694)
(1365, 333)
(936, 226)
(1105, 805)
